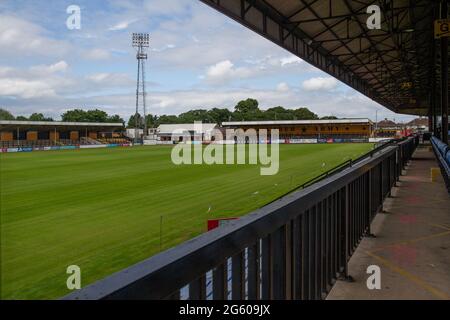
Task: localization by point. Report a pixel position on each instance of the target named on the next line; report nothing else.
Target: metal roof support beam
(394, 72)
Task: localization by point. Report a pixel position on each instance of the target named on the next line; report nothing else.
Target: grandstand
(344, 130)
(41, 134)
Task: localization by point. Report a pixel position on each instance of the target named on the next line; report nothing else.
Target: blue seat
(442, 147)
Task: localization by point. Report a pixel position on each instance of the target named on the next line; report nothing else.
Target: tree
(151, 120)
(167, 119)
(76, 115)
(220, 115)
(195, 115)
(5, 115)
(115, 119)
(21, 118)
(329, 118)
(39, 117)
(132, 121)
(279, 113)
(247, 106)
(305, 114)
(96, 116)
(247, 110)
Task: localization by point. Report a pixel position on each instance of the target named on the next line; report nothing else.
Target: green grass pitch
(100, 209)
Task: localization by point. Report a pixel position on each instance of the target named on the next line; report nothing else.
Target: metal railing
(293, 248)
(347, 164)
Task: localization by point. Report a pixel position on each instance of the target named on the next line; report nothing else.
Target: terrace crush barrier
(293, 248)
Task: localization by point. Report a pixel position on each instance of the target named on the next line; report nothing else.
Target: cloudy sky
(198, 59)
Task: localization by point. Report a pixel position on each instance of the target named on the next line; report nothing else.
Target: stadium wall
(53, 148)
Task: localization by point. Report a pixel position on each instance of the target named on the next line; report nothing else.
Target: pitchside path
(412, 244)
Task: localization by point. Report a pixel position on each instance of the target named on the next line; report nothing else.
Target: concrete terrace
(412, 244)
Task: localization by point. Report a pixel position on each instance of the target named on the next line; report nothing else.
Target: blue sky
(198, 59)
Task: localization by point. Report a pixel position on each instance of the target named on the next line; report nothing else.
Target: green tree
(279, 113)
(5, 115)
(115, 119)
(195, 115)
(167, 119)
(39, 117)
(151, 121)
(329, 118)
(247, 110)
(132, 121)
(305, 114)
(96, 116)
(247, 106)
(76, 115)
(220, 115)
(21, 118)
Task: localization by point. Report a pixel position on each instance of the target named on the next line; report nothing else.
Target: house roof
(386, 123)
(418, 122)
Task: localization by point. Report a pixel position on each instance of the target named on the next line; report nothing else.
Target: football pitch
(106, 209)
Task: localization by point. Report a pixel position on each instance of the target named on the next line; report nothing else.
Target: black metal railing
(293, 248)
(348, 163)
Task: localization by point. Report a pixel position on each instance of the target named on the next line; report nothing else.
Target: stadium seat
(442, 147)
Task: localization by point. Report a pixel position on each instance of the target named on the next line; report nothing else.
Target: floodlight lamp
(141, 40)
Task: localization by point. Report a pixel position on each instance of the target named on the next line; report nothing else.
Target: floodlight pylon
(140, 41)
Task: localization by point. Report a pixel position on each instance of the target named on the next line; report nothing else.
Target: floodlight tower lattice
(140, 42)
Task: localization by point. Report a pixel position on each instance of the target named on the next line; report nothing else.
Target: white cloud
(290, 60)
(97, 54)
(34, 82)
(98, 77)
(122, 25)
(320, 83)
(25, 88)
(111, 79)
(21, 37)
(283, 87)
(60, 66)
(4, 71)
(225, 71)
(164, 48)
(158, 7)
(43, 81)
